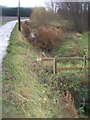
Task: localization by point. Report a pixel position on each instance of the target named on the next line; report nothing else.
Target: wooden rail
(62, 59)
(71, 68)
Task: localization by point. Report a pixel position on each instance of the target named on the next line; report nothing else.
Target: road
(5, 32)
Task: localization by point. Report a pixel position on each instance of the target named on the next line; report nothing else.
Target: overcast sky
(24, 3)
(30, 3)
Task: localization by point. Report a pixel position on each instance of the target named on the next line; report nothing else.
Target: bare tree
(76, 12)
(52, 5)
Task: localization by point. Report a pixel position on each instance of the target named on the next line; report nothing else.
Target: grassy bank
(74, 44)
(29, 89)
(23, 95)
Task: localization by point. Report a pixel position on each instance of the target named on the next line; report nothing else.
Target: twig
(22, 97)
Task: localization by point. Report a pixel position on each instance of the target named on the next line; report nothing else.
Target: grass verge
(23, 95)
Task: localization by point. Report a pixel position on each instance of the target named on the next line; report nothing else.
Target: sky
(28, 3)
(23, 3)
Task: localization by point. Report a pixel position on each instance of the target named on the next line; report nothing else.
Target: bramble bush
(59, 84)
(46, 38)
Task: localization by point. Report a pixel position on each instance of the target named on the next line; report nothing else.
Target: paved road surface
(5, 32)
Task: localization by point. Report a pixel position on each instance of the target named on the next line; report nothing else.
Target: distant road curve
(5, 33)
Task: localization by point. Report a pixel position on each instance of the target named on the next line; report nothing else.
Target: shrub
(41, 16)
(48, 38)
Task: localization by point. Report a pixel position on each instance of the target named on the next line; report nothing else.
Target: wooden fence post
(54, 66)
(85, 63)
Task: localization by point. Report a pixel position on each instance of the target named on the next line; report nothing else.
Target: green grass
(23, 95)
(73, 45)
